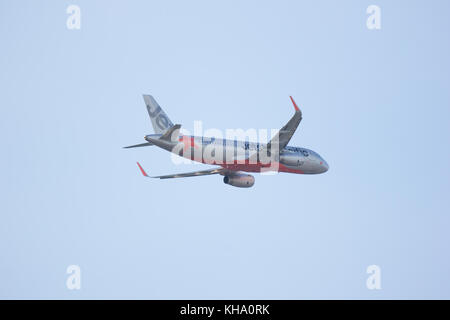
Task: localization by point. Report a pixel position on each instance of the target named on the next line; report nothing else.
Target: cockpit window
(302, 151)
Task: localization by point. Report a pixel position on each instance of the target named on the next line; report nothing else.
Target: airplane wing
(184, 175)
(281, 139)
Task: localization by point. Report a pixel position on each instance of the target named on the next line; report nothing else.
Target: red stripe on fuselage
(254, 167)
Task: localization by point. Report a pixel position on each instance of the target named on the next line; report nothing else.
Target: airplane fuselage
(236, 155)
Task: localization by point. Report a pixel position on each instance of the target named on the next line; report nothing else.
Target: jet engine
(240, 180)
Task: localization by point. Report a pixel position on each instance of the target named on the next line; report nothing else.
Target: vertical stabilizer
(160, 121)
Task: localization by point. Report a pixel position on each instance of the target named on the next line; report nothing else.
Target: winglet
(142, 170)
(295, 105)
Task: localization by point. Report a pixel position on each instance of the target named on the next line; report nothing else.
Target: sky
(375, 103)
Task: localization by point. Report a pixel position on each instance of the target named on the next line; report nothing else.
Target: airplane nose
(325, 166)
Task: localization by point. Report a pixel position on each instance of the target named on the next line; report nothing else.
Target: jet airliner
(235, 159)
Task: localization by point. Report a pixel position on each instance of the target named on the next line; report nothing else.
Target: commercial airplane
(234, 158)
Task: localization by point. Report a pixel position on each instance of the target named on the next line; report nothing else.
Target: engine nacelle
(240, 180)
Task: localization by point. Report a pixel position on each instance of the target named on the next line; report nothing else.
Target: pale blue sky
(376, 106)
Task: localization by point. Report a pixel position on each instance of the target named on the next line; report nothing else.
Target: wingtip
(142, 170)
(295, 105)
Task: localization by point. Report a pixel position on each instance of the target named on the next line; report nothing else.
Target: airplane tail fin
(160, 121)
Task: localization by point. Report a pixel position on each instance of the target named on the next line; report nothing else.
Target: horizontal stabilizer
(139, 145)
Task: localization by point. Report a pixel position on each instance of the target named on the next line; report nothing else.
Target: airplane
(235, 159)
